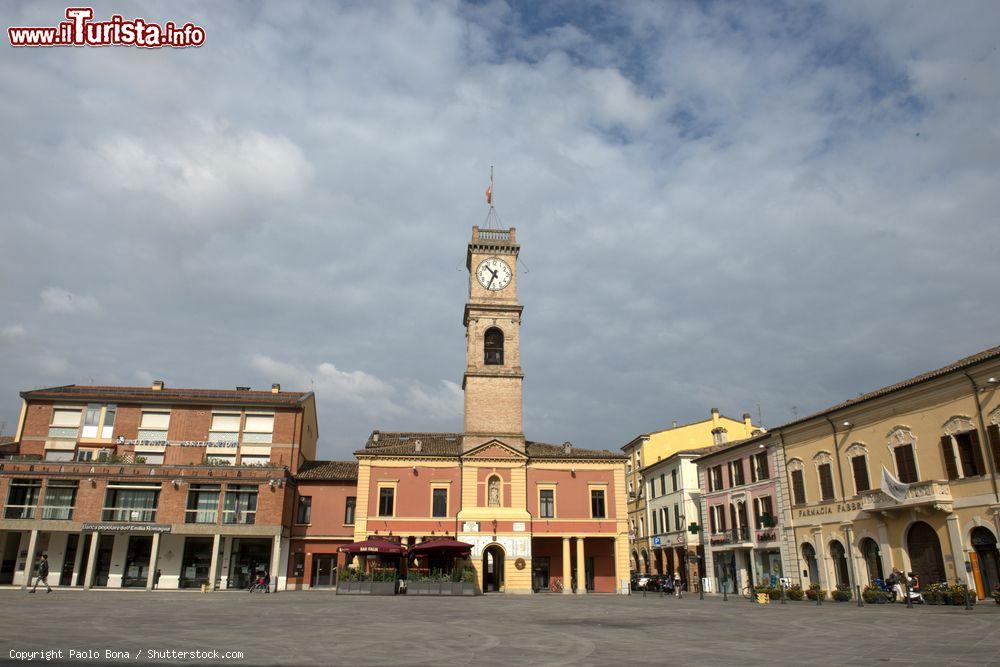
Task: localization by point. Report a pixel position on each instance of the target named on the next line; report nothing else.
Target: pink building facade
(746, 528)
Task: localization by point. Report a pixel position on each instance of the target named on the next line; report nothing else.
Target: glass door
(137, 561)
(196, 563)
(324, 570)
(69, 560)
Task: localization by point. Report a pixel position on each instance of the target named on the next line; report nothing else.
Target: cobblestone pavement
(317, 627)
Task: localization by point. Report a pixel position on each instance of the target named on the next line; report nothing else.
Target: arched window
(493, 347)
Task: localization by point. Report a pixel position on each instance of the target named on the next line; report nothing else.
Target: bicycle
(556, 586)
(748, 592)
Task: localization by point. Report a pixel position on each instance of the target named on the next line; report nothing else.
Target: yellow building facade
(938, 433)
(648, 448)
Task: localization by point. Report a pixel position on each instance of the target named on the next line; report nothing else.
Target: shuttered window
(826, 481)
(859, 465)
(259, 424)
(970, 454)
(994, 435)
(226, 422)
(66, 418)
(948, 454)
(798, 487)
(711, 520)
(905, 464)
(155, 420)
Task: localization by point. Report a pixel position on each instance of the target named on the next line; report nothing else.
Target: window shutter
(948, 453)
(756, 513)
(906, 465)
(861, 482)
(731, 484)
(711, 519)
(994, 434)
(765, 472)
(977, 453)
(798, 487)
(826, 481)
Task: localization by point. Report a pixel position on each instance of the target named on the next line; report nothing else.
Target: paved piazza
(321, 628)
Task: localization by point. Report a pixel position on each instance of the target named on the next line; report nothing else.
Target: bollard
(782, 593)
(857, 588)
(968, 606)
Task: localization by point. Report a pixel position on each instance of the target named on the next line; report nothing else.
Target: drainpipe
(984, 437)
(791, 501)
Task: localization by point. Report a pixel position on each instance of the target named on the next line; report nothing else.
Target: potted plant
(795, 592)
(957, 594)
(814, 592)
(468, 581)
(934, 594)
(842, 593)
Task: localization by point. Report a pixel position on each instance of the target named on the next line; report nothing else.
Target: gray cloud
(719, 206)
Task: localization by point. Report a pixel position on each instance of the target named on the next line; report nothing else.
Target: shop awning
(373, 545)
(446, 545)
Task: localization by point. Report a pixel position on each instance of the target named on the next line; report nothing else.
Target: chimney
(157, 385)
(715, 418)
(375, 437)
(242, 388)
(418, 446)
(275, 388)
(567, 447)
(673, 424)
(746, 422)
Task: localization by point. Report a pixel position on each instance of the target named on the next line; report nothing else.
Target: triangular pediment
(494, 449)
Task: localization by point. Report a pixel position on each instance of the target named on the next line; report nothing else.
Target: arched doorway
(635, 562)
(985, 545)
(839, 558)
(492, 568)
(924, 549)
(873, 559)
(645, 563)
(809, 556)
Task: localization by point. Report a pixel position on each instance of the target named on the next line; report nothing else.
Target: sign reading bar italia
(128, 527)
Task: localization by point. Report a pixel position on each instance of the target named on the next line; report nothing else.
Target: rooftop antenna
(760, 417)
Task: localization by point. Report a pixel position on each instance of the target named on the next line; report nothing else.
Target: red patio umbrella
(444, 545)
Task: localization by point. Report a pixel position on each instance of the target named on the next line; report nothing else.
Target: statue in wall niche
(494, 489)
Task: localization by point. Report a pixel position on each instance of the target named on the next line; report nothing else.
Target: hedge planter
(366, 588)
(468, 588)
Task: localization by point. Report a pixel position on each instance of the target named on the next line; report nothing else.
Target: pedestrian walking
(42, 573)
(677, 583)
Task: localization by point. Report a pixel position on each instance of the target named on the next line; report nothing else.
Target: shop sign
(128, 527)
(181, 443)
(766, 536)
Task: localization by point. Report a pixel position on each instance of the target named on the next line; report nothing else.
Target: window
(859, 464)
(736, 477)
(202, 504)
(59, 454)
(962, 448)
(225, 427)
(758, 467)
(665, 519)
(717, 519)
(762, 513)
(259, 428)
(22, 499)
(255, 459)
(715, 478)
(663, 484)
(547, 503)
(825, 481)
(905, 464)
(642, 527)
(798, 487)
(153, 425)
(597, 508)
(108, 429)
(60, 496)
(493, 347)
(654, 522)
(677, 518)
(91, 421)
(240, 505)
(303, 513)
(152, 458)
(652, 488)
(440, 502)
(133, 501)
(386, 495)
(349, 510)
(65, 423)
(673, 478)
(85, 454)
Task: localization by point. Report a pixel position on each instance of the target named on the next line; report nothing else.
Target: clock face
(493, 273)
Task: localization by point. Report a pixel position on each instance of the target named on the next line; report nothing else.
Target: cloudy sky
(732, 205)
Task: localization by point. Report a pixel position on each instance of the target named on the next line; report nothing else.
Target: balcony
(931, 494)
(736, 536)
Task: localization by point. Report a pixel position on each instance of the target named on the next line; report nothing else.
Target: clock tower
(493, 377)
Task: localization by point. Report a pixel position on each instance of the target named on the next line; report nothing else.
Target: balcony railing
(57, 513)
(917, 494)
(239, 516)
(201, 516)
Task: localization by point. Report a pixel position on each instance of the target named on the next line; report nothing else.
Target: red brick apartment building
(118, 483)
